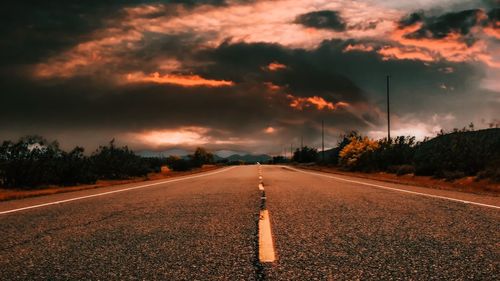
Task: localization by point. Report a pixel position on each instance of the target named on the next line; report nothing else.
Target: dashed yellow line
(266, 246)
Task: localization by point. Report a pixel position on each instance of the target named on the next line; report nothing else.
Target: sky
(247, 75)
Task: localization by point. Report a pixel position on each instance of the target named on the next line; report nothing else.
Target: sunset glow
(182, 80)
(318, 102)
(275, 66)
(192, 135)
(186, 73)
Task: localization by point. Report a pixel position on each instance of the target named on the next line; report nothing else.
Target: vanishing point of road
(225, 225)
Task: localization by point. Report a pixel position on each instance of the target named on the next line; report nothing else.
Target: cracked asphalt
(205, 228)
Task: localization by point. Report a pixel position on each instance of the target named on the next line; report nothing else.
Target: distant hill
(170, 152)
(249, 158)
(226, 153)
(219, 155)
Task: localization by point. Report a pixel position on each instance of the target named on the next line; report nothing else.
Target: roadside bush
(401, 170)
(358, 154)
(75, 168)
(200, 157)
(393, 152)
(492, 173)
(33, 162)
(333, 157)
(278, 160)
(179, 165)
(154, 164)
(466, 152)
(111, 162)
(450, 175)
(305, 155)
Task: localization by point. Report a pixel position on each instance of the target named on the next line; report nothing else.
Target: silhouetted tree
(278, 160)
(200, 157)
(33, 161)
(111, 162)
(305, 155)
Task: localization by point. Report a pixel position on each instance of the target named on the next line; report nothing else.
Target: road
(206, 227)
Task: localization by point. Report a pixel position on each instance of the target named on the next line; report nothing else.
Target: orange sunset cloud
(182, 80)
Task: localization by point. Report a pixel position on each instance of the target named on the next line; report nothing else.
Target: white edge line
(114, 191)
(397, 189)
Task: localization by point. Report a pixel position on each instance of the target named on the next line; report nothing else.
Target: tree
(345, 139)
(200, 157)
(305, 155)
(356, 155)
(176, 163)
(111, 162)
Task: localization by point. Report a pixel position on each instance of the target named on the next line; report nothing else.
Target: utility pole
(388, 111)
(301, 148)
(323, 141)
(291, 151)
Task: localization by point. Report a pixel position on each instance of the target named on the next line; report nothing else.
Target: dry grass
(12, 194)
(468, 184)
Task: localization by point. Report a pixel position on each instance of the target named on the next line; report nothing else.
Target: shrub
(179, 165)
(111, 162)
(33, 162)
(393, 152)
(451, 175)
(278, 160)
(468, 152)
(401, 170)
(333, 157)
(200, 157)
(356, 155)
(305, 155)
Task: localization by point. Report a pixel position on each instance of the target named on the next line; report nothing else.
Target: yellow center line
(266, 246)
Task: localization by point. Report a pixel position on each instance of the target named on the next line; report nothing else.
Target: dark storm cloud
(86, 103)
(207, 2)
(102, 103)
(92, 103)
(325, 19)
(307, 73)
(494, 15)
(34, 30)
(441, 26)
(329, 72)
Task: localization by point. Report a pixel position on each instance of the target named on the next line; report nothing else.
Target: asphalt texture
(198, 229)
(205, 228)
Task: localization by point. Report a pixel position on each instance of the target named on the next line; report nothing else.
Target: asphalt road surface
(205, 227)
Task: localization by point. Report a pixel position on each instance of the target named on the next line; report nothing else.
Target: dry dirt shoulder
(12, 194)
(468, 184)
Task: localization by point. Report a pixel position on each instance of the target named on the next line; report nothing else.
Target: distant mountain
(226, 153)
(170, 152)
(249, 158)
(230, 155)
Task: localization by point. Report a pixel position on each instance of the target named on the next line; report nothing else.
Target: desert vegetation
(450, 155)
(33, 162)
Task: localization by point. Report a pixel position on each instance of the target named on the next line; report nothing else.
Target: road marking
(399, 190)
(266, 246)
(261, 187)
(114, 191)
